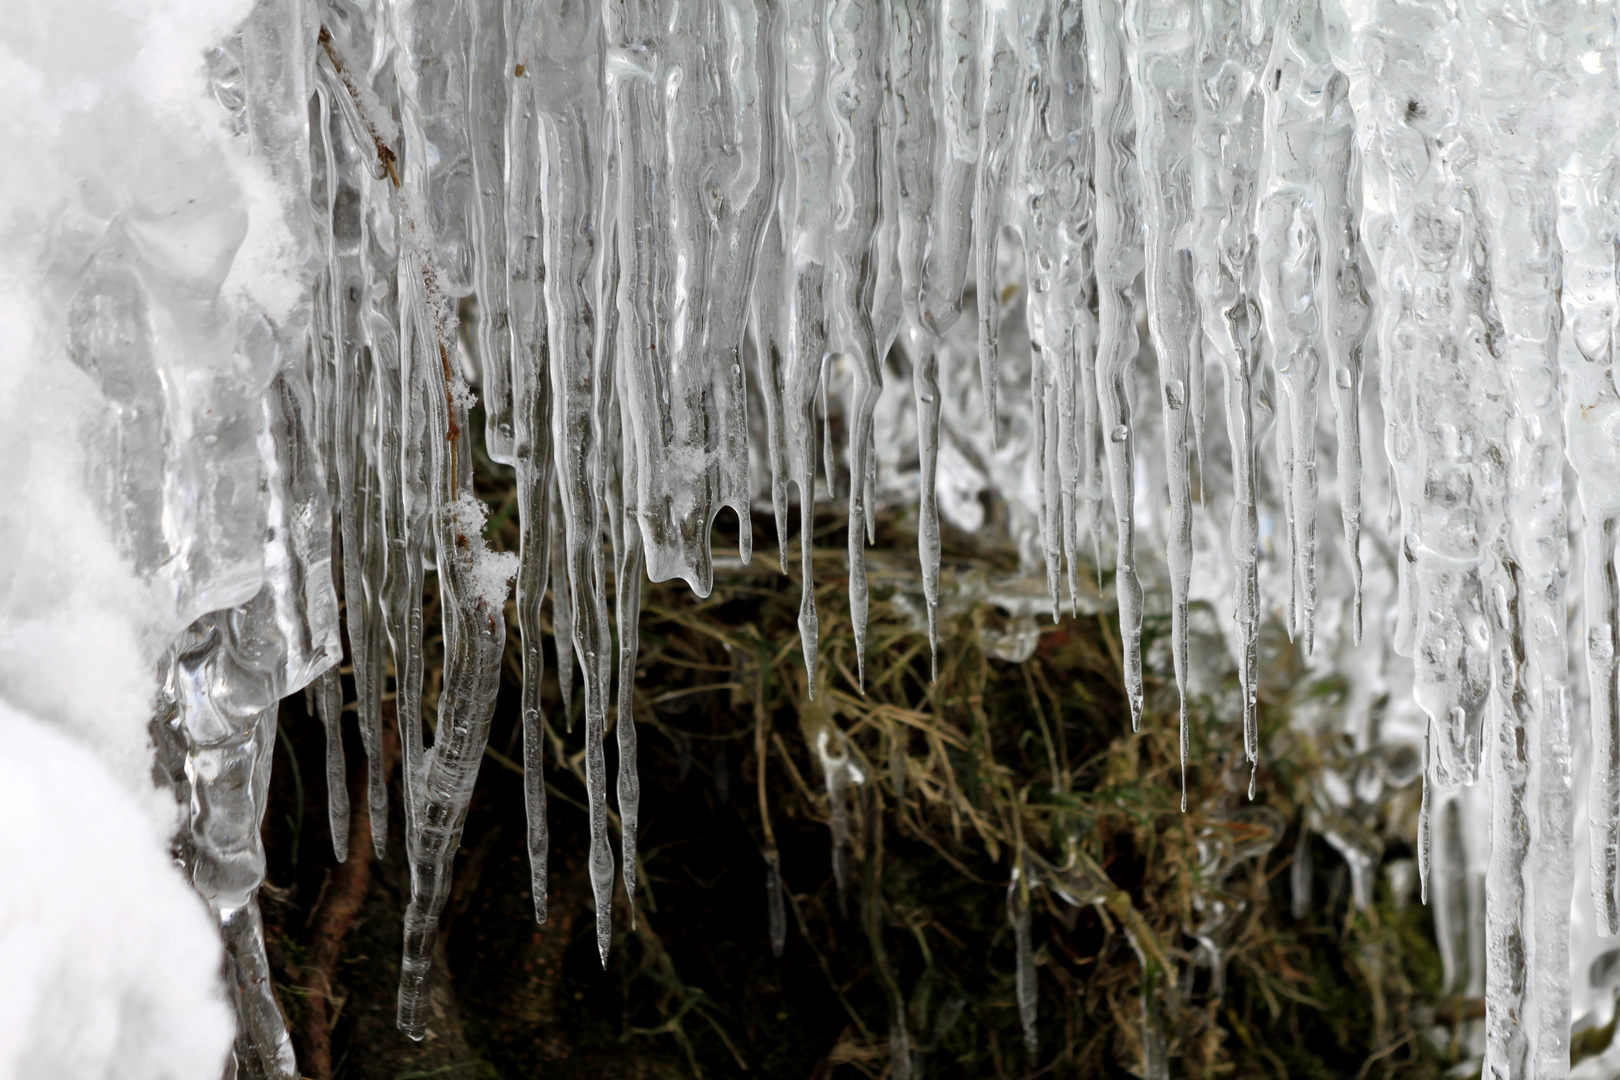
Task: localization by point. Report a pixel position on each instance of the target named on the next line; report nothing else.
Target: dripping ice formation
(693, 244)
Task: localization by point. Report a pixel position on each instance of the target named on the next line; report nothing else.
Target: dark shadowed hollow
(1145, 922)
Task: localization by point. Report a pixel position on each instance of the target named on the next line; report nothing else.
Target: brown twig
(385, 153)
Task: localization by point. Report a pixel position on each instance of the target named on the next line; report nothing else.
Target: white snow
(111, 963)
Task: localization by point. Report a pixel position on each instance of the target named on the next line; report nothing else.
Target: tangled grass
(1004, 807)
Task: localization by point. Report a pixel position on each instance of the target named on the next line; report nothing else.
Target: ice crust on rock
(719, 256)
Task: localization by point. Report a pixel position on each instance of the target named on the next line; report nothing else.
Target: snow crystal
(492, 571)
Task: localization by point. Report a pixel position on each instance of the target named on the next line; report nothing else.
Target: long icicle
(575, 219)
(531, 423)
(1163, 53)
(1589, 229)
(855, 51)
(1001, 112)
(1118, 261)
(1060, 228)
(1225, 153)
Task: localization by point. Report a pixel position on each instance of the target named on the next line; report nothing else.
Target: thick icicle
(471, 602)
(1588, 230)
(1162, 50)
(689, 93)
(957, 101)
(1523, 141)
(912, 69)
(433, 213)
(1118, 261)
(224, 682)
(1437, 379)
(943, 231)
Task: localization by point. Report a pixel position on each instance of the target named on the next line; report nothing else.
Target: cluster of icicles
(653, 205)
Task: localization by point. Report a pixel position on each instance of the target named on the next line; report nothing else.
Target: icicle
(1515, 192)
(229, 670)
(471, 598)
(534, 564)
(1444, 399)
(838, 772)
(348, 144)
(889, 297)
(433, 257)
(1287, 234)
(690, 88)
(1508, 999)
(854, 80)
(362, 560)
(788, 295)
(925, 386)
(1227, 144)
(1425, 829)
(329, 703)
(628, 600)
(228, 759)
(935, 56)
(1602, 611)
(475, 637)
(1587, 231)
(562, 602)
(325, 696)
(576, 216)
(958, 102)
(1161, 52)
(1118, 261)
(1033, 154)
(1064, 232)
(492, 75)
(531, 424)
(912, 75)
(1018, 916)
(1002, 109)
(1346, 313)
(1299, 874)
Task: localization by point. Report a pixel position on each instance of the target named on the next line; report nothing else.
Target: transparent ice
(693, 242)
